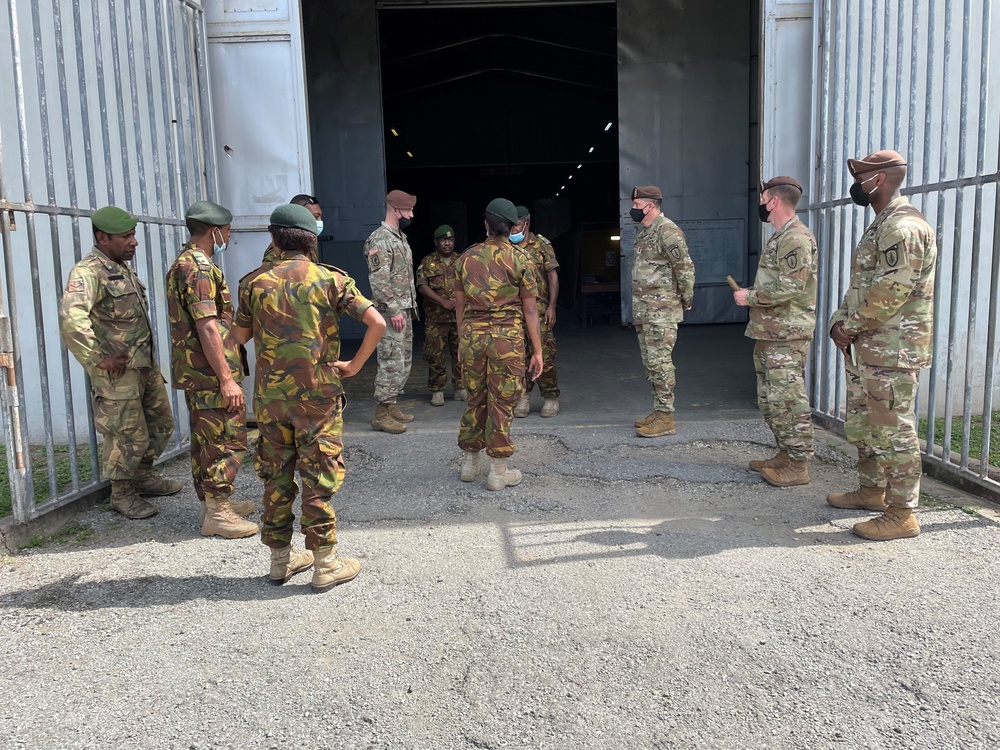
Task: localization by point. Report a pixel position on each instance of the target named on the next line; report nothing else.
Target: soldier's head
(293, 229)
(779, 197)
(645, 204)
(399, 208)
(208, 224)
(114, 233)
(499, 217)
(877, 178)
(444, 240)
(312, 204)
(520, 230)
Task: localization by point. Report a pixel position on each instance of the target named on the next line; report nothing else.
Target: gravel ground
(629, 594)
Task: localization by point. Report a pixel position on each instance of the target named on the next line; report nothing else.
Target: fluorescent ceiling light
(393, 131)
(615, 237)
(607, 127)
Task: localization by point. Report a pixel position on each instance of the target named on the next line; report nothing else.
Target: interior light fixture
(607, 127)
(393, 131)
(615, 237)
(570, 177)
(410, 154)
(557, 195)
(563, 187)
(591, 150)
(578, 166)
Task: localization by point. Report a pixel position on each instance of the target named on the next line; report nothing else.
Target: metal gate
(919, 77)
(104, 103)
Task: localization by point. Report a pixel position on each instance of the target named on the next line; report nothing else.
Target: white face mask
(319, 227)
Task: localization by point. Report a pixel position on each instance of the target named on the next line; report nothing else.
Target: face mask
(319, 226)
(218, 249)
(763, 212)
(517, 237)
(859, 196)
(637, 214)
(404, 222)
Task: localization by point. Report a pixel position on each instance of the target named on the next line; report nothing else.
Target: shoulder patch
(675, 251)
(791, 260)
(74, 286)
(891, 256)
(374, 258)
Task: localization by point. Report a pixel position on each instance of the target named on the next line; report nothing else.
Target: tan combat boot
(500, 476)
(126, 501)
(863, 498)
(399, 415)
(220, 520)
(329, 570)
(383, 421)
(470, 466)
(148, 481)
(461, 394)
(286, 562)
(242, 508)
(787, 473)
(523, 407)
(662, 424)
(437, 398)
(759, 463)
(550, 408)
(895, 523)
(646, 420)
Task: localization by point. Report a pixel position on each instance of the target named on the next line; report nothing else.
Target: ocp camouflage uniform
(782, 305)
(662, 287)
(104, 311)
(889, 306)
(440, 327)
(197, 289)
(390, 272)
(294, 307)
(491, 342)
(542, 256)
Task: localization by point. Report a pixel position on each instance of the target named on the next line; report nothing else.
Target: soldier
(205, 364)
(104, 322)
(885, 328)
(436, 282)
(495, 304)
(662, 288)
(782, 304)
(271, 254)
(545, 267)
(292, 310)
(390, 272)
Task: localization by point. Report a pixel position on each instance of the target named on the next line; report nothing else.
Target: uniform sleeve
(549, 257)
(794, 255)
(673, 247)
(199, 291)
(82, 292)
(898, 267)
(348, 299)
(422, 272)
(244, 315)
(529, 279)
(379, 255)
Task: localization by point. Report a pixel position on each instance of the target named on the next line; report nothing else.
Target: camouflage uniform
(889, 306)
(662, 287)
(294, 307)
(542, 256)
(491, 342)
(196, 289)
(390, 272)
(782, 305)
(104, 311)
(441, 330)
(273, 255)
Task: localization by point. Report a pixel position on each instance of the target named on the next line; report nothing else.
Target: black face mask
(404, 222)
(859, 196)
(763, 212)
(637, 214)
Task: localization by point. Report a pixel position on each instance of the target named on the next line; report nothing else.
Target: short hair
(197, 228)
(787, 194)
(303, 200)
(497, 226)
(293, 240)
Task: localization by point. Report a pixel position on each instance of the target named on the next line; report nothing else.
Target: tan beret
(779, 181)
(647, 191)
(875, 162)
(402, 201)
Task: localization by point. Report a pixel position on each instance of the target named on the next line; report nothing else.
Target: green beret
(294, 217)
(209, 213)
(503, 208)
(523, 212)
(444, 231)
(113, 220)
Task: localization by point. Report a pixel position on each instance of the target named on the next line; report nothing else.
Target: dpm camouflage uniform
(440, 329)
(889, 306)
(196, 289)
(662, 287)
(782, 304)
(390, 272)
(491, 342)
(542, 257)
(294, 308)
(273, 255)
(104, 311)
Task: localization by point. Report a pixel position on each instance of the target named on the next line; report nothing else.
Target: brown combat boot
(329, 570)
(757, 464)
(550, 408)
(126, 501)
(645, 420)
(788, 473)
(437, 398)
(500, 476)
(895, 523)
(863, 498)
(220, 520)
(470, 466)
(662, 424)
(523, 407)
(399, 415)
(383, 421)
(242, 508)
(286, 562)
(148, 481)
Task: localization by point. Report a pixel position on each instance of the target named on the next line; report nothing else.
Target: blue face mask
(218, 249)
(319, 226)
(515, 238)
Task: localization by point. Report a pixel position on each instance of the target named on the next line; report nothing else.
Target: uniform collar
(894, 204)
(395, 230)
(107, 262)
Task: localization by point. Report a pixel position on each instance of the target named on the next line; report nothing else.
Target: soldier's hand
(535, 366)
(398, 322)
(114, 364)
(840, 337)
(550, 316)
(346, 368)
(448, 304)
(233, 393)
(740, 297)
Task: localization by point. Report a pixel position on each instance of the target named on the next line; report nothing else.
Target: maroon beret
(402, 201)
(647, 191)
(778, 181)
(875, 162)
